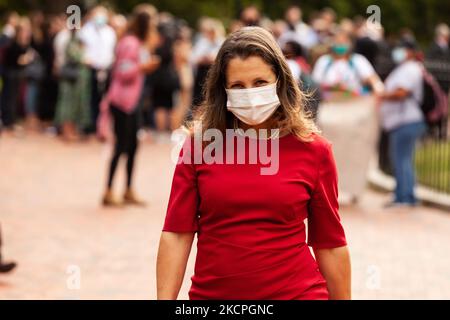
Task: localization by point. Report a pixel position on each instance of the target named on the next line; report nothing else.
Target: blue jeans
(31, 97)
(402, 142)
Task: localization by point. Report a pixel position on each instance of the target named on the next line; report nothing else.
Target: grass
(433, 165)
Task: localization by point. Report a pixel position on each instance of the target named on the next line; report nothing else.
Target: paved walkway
(69, 247)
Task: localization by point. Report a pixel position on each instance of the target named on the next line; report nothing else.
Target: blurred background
(63, 236)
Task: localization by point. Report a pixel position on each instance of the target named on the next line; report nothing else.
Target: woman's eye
(261, 83)
(237, 86)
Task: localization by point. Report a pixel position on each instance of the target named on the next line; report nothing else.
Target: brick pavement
(54, 227)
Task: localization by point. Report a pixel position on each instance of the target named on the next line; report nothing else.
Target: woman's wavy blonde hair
(290, 117)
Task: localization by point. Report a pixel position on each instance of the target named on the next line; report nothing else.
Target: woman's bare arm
(396, 95)
(376, 84)
(173, 255)
(334, 264)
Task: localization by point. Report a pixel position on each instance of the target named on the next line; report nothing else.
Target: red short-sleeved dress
(251, 233)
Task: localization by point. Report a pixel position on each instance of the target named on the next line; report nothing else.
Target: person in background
(329, 16)
(72, 110)
(12, 19)
(293, 51)
(367, 38)
(8, 34)
(100, 41)
(212, 35)
(298, 30)
(402, 118)
(18, 56)
(7, 37)
(235, 25)
(439, 49)
(123, 98)
(348, 26)
(250, 16)
(5, 267)
(324, 37)
(145, 105)
(35, 72)
(182, 54)
(325, 25)
(119, 24)
(60, 42)
(294, 54)
(344, 71)
(48, 97)
(279, 27)
(165, 80)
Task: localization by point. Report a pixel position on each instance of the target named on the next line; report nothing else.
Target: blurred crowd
(150, 67)
(53, 79)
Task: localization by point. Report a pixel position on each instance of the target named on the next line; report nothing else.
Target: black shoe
(7, 267)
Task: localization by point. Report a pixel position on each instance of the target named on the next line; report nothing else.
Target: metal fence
(433, 164)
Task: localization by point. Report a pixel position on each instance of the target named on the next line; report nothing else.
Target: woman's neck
(266, 125)
(339, 57)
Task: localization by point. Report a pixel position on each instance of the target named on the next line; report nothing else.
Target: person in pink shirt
(130, 66)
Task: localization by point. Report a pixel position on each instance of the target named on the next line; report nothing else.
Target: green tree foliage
(419, 15)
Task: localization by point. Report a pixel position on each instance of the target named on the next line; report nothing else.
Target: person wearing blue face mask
(343, 70)
(402, 118)
(100, 41)
(100, 19)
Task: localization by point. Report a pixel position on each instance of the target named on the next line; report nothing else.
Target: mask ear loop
(277, 82)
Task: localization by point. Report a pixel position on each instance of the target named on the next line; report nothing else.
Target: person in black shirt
(439, 49)
(18, 55)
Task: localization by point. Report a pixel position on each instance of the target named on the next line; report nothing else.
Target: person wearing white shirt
(100, 40)
(402, 118)
(212, 35)
(60, 42)
(298, 30)
(345, 71)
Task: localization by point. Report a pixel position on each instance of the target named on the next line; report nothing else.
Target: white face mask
(255, 105)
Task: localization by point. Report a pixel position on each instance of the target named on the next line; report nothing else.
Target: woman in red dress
(252, 240)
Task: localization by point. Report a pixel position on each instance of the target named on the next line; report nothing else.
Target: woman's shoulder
(320, 141)
(324, 60)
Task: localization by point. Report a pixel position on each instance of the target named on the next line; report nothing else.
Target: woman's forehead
(248, 69)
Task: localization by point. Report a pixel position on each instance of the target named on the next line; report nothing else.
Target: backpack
(434, 104)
